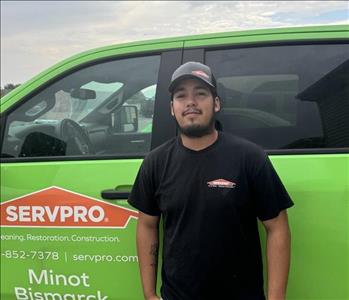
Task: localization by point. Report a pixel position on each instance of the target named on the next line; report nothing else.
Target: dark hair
(214, 92)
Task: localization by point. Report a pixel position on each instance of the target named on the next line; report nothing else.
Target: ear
(217, 104)
(172, 112)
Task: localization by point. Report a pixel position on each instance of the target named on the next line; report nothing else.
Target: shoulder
(159, 153)
(239, 144)
(251, 155)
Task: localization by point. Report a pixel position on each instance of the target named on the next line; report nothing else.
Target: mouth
(191, 112)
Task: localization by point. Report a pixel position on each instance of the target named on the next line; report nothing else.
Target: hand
(153, 298)
(280, 296)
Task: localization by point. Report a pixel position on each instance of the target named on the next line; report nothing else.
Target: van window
(285, 97)
(104, 109)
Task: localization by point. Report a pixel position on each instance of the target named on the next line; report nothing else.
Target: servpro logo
(54, 214)
(221, 183)
(56, 207)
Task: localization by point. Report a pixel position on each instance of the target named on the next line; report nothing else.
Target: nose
(191, 101)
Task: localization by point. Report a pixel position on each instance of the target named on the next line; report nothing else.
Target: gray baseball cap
(196, 70)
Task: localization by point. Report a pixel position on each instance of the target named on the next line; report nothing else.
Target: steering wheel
(75, 137)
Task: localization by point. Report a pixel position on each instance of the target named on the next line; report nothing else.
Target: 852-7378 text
(32, 254)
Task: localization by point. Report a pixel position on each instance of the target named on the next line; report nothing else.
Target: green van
(74, 136)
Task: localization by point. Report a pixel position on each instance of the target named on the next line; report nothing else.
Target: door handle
(113, 194)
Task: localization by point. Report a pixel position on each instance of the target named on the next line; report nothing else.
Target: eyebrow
(198, 87)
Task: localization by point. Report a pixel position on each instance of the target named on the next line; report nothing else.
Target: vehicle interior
(94, 111)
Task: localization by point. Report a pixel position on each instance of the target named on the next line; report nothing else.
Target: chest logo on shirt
(221, 183)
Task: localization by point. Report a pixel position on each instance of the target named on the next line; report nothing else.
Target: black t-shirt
(210, 201)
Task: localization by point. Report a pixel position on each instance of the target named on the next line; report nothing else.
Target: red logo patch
(57, 207)
(221, 183)
(200, 73)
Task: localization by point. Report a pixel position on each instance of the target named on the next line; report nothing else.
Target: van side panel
(319, 221)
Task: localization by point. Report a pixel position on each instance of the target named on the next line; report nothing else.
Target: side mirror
(83, 94)
(125, 119)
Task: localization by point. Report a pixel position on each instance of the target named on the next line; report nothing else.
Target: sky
(37, 34)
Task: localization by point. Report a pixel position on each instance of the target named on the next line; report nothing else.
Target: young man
(210, 187)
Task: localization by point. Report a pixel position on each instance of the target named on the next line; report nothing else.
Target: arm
(278, 255)
(147, 250)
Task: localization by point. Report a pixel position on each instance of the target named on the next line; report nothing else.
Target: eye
(179, 96)
(202, 93)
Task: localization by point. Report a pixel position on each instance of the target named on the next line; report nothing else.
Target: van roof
(241, 33)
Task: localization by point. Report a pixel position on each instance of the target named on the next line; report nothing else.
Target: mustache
(191, 110)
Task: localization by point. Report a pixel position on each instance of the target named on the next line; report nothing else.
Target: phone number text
(38, 255)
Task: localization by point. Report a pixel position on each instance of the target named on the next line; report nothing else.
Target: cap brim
(175, 82)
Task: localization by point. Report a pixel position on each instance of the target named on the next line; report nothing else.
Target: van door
(292, 99)
(67, 145)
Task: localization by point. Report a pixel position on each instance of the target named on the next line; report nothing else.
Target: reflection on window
(285, 97)
(105, 109)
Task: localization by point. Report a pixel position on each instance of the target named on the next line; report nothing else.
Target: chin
(196, 131)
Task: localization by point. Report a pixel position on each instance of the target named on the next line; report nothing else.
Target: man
(209, 187)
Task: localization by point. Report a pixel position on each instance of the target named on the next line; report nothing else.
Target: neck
(199, 143)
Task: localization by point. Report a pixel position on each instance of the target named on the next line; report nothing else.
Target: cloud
(37, 34)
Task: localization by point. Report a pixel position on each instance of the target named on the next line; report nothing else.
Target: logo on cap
(200, 73)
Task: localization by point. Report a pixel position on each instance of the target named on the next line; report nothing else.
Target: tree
(8, 88)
